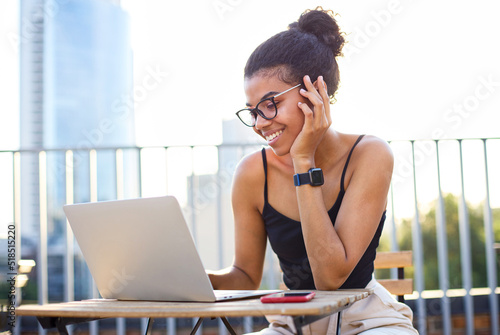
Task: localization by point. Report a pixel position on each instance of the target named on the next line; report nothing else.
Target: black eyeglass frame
(256, 111)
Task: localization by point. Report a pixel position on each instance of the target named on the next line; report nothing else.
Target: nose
(260, 122)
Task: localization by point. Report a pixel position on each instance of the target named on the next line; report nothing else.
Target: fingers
(316, 118)
(311, 92)
(323, 91)
(317, 94)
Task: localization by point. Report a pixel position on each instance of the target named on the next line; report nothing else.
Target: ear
(316, 84)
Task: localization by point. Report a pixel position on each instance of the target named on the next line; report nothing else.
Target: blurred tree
(429, 240)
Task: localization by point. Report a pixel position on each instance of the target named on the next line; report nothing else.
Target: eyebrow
(265, 96)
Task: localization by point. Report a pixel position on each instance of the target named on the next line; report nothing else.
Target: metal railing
(200, 176)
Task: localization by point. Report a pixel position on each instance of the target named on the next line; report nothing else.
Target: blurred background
(107, 99)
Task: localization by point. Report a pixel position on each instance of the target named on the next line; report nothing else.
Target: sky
(412, 69)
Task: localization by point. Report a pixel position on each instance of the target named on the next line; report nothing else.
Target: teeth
(273, 136)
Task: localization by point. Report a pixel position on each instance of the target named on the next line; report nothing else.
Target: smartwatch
(313, 177)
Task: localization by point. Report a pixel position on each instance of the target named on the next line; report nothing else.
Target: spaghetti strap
(264, 161)
(346, 163)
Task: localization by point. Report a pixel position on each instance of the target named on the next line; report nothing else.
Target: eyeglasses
(266, 109)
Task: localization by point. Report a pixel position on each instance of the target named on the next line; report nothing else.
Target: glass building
(76, 80)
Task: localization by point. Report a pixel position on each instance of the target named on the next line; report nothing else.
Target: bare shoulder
(250, 168)
(373, 151)
(371, 170)
(372, 159)
(249, 179)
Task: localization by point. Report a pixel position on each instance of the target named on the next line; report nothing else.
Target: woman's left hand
(316, 121)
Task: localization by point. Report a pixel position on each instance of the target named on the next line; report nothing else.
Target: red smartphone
(287, 297)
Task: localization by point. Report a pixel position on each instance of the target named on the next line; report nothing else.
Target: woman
(317, 194)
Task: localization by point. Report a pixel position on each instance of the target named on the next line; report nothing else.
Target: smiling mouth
(273, 136)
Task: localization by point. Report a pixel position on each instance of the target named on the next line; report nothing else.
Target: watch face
(316, 177)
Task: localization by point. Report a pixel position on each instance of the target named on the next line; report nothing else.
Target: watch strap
(313, 177)
(301, 179)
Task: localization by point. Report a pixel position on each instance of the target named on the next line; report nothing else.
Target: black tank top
(287, 241)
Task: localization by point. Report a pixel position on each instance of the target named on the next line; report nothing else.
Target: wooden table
(58, 315)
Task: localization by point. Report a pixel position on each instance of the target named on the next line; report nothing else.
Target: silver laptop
(141, 249)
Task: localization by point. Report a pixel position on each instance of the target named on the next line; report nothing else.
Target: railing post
(121, 328)
(166, 169)
(192, 205)
(191, 197)
(418, 254)
(465, 247)
(139, 171)
(394, 238)
(490, 252)
(43, 286)
(144, 321)
(220, 235)
(171, 326)
(170, 322)
(119, 173)
(442, 250)
(69, 268)
(94, 325)
(16, 196)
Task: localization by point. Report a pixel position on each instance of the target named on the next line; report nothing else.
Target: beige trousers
(380, 313)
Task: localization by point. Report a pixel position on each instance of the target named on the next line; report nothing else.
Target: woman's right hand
(250, 234)
(317, 120)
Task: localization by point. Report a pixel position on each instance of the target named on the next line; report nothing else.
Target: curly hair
(308, 47)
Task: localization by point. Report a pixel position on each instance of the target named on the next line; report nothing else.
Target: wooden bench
(398, 260)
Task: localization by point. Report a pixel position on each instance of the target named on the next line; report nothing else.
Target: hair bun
(323, 25)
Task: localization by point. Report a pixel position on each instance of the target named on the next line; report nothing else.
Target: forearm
(231, 278)
(325, 250)
(334, 248)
